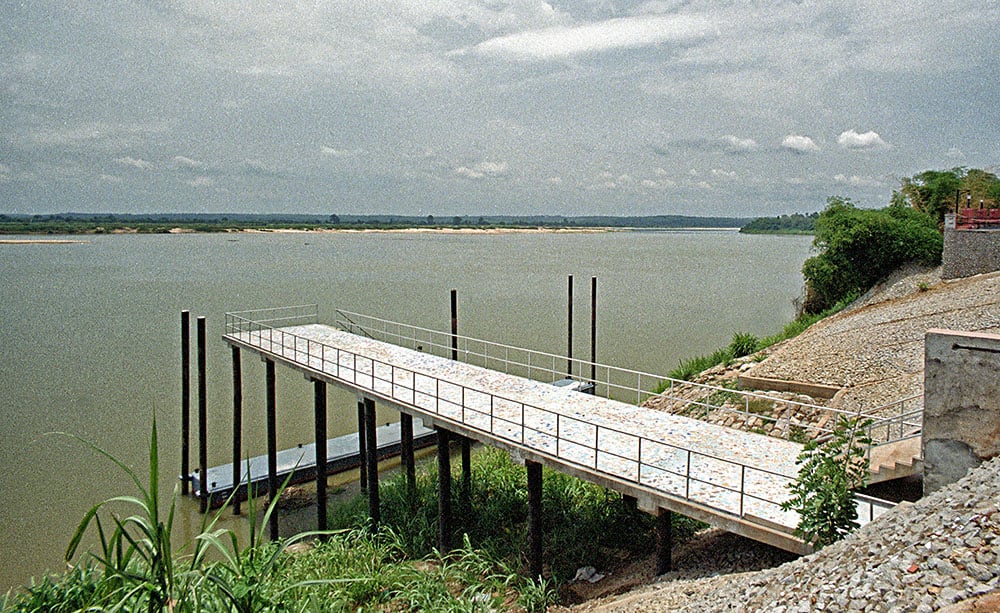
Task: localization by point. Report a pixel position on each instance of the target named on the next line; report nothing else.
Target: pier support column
(444, 491)
(406, 453)
(534, 518)
(202, 416)
(319, 400)
(664, 541)
(237, 427)
(371, 461)
(185, 402)
(362, 448)
(272, 442)
(466, 491)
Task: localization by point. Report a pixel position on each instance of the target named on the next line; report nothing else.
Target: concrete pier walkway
(731, 479)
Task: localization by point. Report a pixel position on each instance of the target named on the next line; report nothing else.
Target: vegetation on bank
(83, 223)
(744, 344)
(136, 568)
(796, 223)
(859, 247)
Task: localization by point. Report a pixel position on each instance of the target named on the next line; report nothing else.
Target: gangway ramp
(728, 478)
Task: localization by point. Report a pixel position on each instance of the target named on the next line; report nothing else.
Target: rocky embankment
(870, 355)
(924, 556)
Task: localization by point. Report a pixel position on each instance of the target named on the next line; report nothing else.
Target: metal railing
(620, 384)
(686, 473)
(695, 476)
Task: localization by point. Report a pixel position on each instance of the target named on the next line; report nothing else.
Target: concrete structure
(969, 252)
(961, 404)
(732, 479)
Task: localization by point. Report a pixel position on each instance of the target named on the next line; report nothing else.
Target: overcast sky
(466, 107)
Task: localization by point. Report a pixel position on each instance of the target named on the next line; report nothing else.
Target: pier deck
(731, 479)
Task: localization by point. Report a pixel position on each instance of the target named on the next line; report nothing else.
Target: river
(90, 338)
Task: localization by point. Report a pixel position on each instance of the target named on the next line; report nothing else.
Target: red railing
(973, 219)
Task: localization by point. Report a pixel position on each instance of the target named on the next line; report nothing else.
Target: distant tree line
(796, 223)
(96, 223)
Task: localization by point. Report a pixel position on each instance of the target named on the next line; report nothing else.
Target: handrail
(610, 381)
(646, 461)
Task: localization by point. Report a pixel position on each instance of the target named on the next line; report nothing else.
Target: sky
(492, 107)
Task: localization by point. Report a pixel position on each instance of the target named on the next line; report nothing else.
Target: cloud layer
(455, 107)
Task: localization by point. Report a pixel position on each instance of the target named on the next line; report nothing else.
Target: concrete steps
(895, 460)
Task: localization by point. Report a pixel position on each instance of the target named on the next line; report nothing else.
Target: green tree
(858, 247)
(829, 474)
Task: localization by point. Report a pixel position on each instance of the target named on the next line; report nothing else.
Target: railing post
(743, 475)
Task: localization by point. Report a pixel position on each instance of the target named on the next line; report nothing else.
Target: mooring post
(454, 324)
(593, 333)
(185, 401)
(569, 326)
(664, 540)
(202, 417)
(444, 490)
(272, 442)
(371, 459)
(319, 401)
(406, 453)
(362, 448)
(237, 427)
(534, 518)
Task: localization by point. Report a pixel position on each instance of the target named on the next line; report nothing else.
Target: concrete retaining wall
(961, 404)
(969, 252)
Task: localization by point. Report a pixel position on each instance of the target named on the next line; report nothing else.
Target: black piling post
(362, 448)
(272, 443)
(466, 474)
(664, 541)
(237, 426)
(593, 332)
(319, 402)
(202, 416)
(444, 491)
(371, 459)
(406, 453)
(569, 326)
(185, 401)
(454, 324)
(534, 518)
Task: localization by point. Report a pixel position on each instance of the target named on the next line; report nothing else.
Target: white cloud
(622, 33)
(110, 179)
(857, 181)
(185, 162)
(955, 153)
(554, 180)
(799, 144)
(200, 181)
(734, 144)
(482, 170)
(869, 140)
(724, 174)
(340, 153)
(134, 163)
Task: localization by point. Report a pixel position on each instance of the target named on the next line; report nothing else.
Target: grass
(134, 567)
(744, 344)
(584, 524)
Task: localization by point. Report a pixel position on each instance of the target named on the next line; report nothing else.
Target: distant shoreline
(40, 241)
(397, 230)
